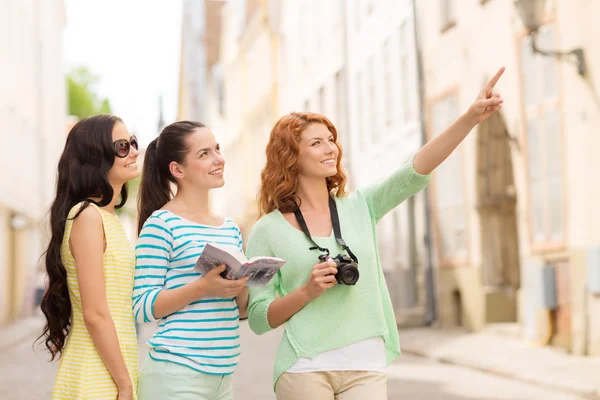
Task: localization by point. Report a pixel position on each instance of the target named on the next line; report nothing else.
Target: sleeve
(384, 196)
(240, 243)
(152, 255)
(261, 297)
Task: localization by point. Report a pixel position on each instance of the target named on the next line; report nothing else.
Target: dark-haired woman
(196, 348)
(91, 265)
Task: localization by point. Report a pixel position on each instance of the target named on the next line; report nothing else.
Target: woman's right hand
(321, 278)
(125, 392)
(214, 285)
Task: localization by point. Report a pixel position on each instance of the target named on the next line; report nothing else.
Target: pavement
(435, 364)
(507, 357)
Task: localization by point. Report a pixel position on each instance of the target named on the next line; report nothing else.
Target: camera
(347, 269)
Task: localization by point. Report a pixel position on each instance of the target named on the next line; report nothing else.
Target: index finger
(495, 79)
(325, 264)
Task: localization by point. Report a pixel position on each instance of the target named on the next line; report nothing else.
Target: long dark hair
(82, 170)
(155, 188)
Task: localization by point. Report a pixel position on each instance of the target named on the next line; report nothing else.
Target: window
(284, 58)
(303, 31)
(317, 20)
(219, 87)
(387, 82)
(448, 14)
(322, 101)
(357, 13)
(373, 111)
(221, 96)
(542, 126)
(340, 115)
(360, 109)
(450, 188)
(405, 87)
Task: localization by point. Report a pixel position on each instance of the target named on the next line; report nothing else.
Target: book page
(260, 270)
(239, 256)
(213, 256)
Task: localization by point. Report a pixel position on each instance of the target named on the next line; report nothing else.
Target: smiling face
(203, 165)
(319, 153)
(125, 168)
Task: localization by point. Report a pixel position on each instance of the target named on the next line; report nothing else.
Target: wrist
(305, 293)
(470, 118)
(124, 384)
(198, 289)
(244, 294)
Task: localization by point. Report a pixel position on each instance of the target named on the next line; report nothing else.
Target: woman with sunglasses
(340, 329)
(91, 265)
(196, 348)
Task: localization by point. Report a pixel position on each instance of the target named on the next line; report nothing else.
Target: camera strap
(335, 221)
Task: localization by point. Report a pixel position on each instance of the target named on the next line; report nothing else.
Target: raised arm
(383, 196)
(440, 147)
(87, 247)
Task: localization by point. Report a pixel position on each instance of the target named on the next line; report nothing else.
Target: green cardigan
(343, 314)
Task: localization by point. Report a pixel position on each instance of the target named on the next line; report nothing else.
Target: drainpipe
(431, 305)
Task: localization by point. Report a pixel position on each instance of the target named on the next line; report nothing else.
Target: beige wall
(5, 272)
(250, 77)
(32, 124)
(461, 59)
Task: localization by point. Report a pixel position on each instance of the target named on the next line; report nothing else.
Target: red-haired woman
(340, 329)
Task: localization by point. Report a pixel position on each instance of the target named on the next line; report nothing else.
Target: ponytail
(155, 188)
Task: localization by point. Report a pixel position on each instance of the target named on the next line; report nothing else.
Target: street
(25, 375)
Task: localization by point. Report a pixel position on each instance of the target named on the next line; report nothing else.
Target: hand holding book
(215, 286)
(258, 270)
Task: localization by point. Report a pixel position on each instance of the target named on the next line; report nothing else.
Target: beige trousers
(332, 385)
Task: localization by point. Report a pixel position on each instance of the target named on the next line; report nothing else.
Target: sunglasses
(123, 146)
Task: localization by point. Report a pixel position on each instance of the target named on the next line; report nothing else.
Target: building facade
(355, 62)
(347, 60)
(243, 105)
(192, 71)
(32, 125)
(509, 222)
(517, 232)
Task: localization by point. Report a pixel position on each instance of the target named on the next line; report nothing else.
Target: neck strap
(335, 221)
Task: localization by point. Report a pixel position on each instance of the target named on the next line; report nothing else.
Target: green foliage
(130, 208)
(83, 101)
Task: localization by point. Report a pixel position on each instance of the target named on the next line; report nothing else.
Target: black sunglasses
(123, 146)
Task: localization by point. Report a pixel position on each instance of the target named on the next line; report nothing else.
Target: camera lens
(348, 274)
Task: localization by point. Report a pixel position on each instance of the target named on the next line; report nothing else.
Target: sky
(133, 47)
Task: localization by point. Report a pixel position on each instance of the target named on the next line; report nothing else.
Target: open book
(259, 270)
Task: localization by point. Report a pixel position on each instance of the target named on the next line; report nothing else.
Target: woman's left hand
(487, 102)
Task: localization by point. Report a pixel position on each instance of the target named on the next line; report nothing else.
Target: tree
(83, 101)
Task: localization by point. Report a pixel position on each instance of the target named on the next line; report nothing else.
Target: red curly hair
(279, 178)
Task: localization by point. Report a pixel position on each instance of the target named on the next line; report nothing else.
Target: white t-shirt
(364, 355)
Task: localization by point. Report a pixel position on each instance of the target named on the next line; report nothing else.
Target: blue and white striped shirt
(205, 334)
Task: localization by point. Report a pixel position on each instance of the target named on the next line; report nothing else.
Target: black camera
(347, 266)
(347, 269)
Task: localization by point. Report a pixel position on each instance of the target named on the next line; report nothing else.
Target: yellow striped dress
(81, 373)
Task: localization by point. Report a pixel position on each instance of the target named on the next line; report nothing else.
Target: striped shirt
(204, 335)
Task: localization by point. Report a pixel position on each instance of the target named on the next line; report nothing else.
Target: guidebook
(259, 270)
